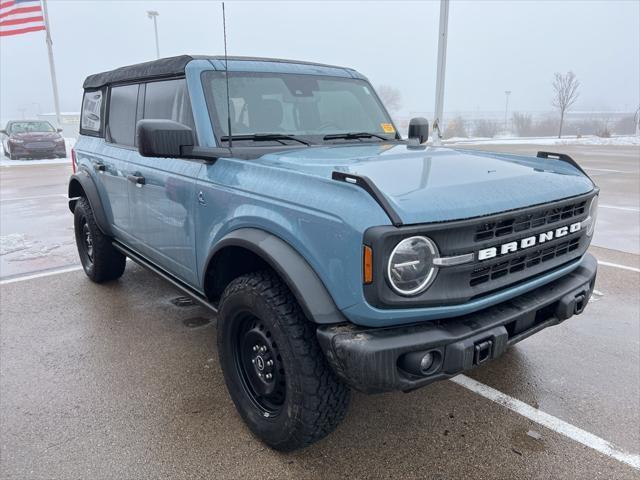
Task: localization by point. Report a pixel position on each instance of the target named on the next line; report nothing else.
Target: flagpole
(52, 66)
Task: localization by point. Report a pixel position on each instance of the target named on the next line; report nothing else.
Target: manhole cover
(183, 302)
(195, 322)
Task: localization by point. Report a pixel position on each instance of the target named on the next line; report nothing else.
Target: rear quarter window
(92, 115)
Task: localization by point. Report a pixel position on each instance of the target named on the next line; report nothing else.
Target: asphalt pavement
(117, 381)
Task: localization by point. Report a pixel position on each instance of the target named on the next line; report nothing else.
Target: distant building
(70, 122)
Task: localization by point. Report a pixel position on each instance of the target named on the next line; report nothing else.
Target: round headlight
(411, 269)
(593, 214)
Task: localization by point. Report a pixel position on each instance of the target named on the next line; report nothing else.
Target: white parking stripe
(628, 209)
(617, 265)
(34, 197)
(549, 421)
(606, 170)
(47, 273)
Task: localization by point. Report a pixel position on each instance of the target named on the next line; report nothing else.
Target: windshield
(26, 127)
(300, 106)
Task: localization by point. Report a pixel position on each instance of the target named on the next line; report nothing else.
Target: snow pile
(34, 252)
(13, 243)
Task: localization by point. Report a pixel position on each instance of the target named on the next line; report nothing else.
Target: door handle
(137, 179)
(100, 167)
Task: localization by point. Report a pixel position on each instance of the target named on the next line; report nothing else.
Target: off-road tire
(315, 401)
(104, 263)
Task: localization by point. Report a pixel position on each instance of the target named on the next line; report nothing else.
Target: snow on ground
(28, 250)
(13, 243)
(629, 140)
(70, 142)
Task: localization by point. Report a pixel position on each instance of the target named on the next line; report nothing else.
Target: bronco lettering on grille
(510, 247)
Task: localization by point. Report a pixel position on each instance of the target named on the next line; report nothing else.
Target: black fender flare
(81, 184)
(300, 277)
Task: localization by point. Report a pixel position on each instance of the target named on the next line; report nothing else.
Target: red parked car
(32, 139)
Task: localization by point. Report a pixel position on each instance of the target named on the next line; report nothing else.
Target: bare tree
(391, 97)
(486, 128)
(565, 89)
(523, 124)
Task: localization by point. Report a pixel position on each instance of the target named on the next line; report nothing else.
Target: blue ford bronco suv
(336, 254)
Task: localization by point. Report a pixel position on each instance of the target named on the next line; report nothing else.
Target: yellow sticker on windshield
(388, 128)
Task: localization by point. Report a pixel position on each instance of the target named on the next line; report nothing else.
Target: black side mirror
(59, 130)
(163, 138)
(3, 132)
(419, 129)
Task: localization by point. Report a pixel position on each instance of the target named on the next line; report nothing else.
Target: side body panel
(162, 210)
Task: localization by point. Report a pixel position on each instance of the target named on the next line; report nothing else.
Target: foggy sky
(493, 47)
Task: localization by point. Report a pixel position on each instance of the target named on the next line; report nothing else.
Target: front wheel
(275, 371)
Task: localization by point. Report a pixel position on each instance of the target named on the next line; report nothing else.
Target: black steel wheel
(87, 243)
(260, 365)
(274, 369)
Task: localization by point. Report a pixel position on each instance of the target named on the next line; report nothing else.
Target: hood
(442, 184)
(36, 136)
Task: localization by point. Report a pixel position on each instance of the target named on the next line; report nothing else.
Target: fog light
(426, 362)
(421, 363)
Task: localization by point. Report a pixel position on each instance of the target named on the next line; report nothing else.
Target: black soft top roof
(165, 67)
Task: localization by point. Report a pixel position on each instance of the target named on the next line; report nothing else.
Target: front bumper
(374, 360)
(19, 150)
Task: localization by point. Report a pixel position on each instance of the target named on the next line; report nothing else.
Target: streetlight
(506, 108)
(152, 14)
(442, 62)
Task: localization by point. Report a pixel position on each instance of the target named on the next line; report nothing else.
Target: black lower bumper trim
(376, 360)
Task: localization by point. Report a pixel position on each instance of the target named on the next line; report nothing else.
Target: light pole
(506, 108)
(442, 62)
(152, 14)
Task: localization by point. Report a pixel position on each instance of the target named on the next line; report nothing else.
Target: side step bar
(184, 288)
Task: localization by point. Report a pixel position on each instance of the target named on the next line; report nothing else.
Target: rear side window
(168, 100)
(123, 103)
(92, 113)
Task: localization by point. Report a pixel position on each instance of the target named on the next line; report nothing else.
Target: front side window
(306, 106)
(122, 114)
(26, 127)
(168, 100)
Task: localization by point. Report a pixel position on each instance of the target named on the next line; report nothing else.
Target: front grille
(522, 262)
(40, 145)
(522, 223)
(459, 284)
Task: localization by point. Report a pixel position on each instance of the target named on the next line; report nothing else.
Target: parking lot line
(34, 197)
(549, 421)
(606, 170)
(617, 265)
(627, 209)
(46, 273)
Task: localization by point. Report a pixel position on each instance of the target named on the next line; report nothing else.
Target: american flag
(20, 16)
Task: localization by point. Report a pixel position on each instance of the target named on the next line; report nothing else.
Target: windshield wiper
(266, 137)
(354, 135)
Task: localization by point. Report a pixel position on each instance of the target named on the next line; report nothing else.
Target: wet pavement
(119, 381)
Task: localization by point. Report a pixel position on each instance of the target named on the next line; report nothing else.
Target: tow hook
(579, 303)
(482, 352)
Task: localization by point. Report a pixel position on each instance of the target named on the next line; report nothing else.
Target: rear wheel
(275, 371)
(100, 261)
